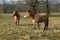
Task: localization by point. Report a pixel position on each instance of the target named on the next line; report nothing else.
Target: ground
(9, 31)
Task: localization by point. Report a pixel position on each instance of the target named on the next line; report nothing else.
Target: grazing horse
(37, 18)
(16, 17)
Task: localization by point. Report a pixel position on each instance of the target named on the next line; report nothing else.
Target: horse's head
(15, 12)
(28, 14)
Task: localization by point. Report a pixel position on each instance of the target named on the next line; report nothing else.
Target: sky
(7, 1)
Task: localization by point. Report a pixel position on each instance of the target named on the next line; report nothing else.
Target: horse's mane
(34, 14)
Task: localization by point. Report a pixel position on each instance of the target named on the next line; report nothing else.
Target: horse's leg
(34, 26)
(46, 25)
(34, 23)
(15, 20)
(38, 25)
(18, 22)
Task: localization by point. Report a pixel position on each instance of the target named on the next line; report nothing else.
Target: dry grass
(9, 31)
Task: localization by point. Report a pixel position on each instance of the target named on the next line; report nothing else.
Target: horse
(37, 18)
(16, 17)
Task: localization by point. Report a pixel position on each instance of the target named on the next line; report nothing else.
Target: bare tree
(47, 7)
(32, 4)
(4, 5)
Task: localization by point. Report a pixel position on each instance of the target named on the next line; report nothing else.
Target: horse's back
(41, 17)
(42, 14)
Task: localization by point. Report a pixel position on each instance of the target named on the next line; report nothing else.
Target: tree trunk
(47, 7)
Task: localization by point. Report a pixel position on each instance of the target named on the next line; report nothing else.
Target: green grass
(9, 31)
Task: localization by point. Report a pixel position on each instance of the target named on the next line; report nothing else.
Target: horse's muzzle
(25, 17)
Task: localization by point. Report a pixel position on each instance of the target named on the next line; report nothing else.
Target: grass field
(9, 31)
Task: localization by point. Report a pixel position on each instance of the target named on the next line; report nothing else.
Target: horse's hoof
(39, 28)
(34, 28)
(45, 29)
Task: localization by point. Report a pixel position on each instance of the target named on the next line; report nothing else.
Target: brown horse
(16, 17)
(38, 18)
